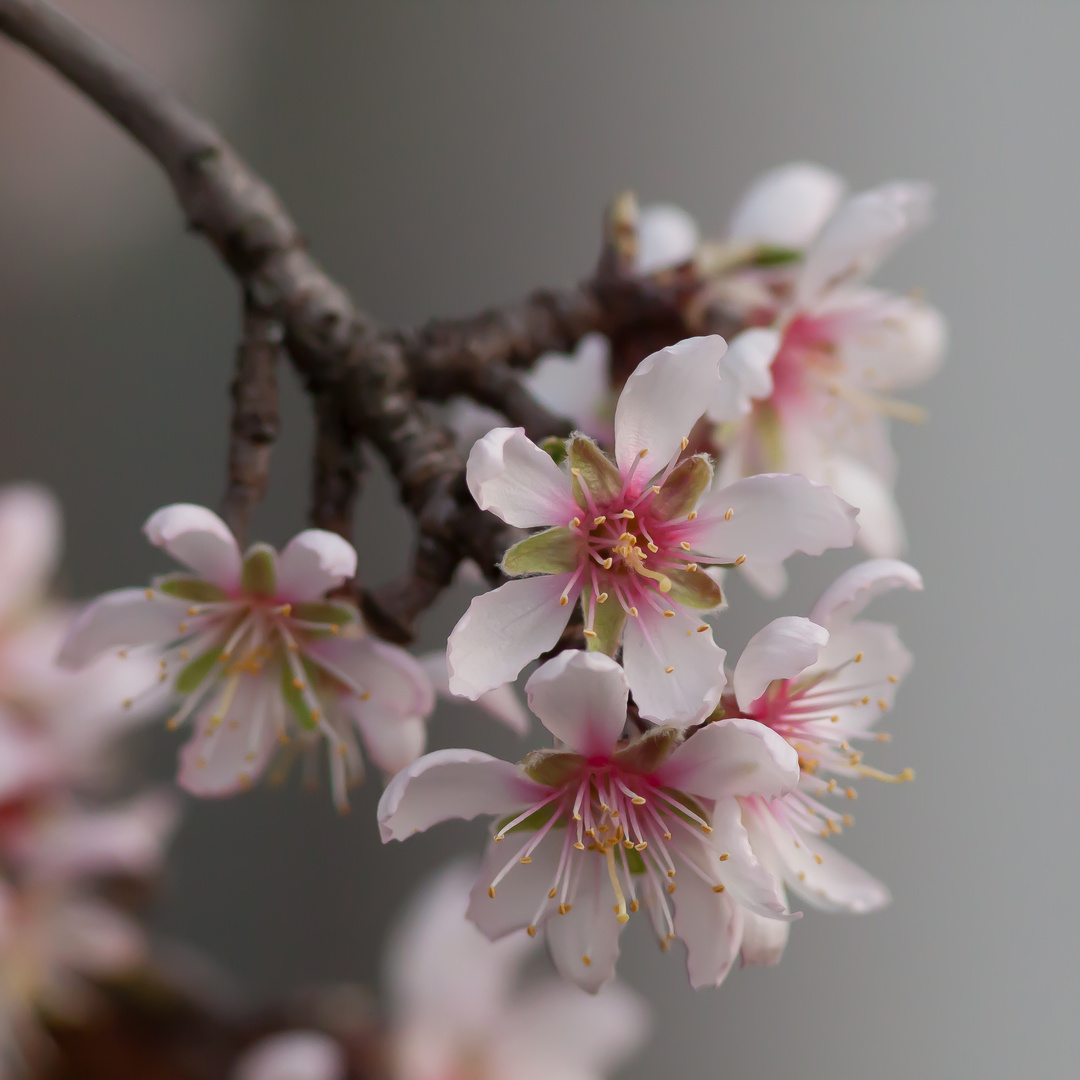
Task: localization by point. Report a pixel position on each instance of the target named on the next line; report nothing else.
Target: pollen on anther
(834, 719)
(858, 658)
(656, 489)
(525, 860)
(668, 670)
(551, 894)
(851, 793)
(589, 633)
(685, 545)
(691, 515)
(740, 560)
(564, 909)
(883, 705)
(491, 891)
(634, 612)
(578, 845)
(564, 600)
(718, 888)
(586, 960)
(818, 859)
(707, 830)
(671, 887)
(692, 567)
(575, 522)
(894, 678)
(669, 614)
(182, 628)
(298, 684)
(193, 611)
(702, 628)
(530, 930)
(724, 856)
(602, 598)
(729, 513)
(599, 520)
(884, 736)
(607, 563)
(149, 594)
(685, 443)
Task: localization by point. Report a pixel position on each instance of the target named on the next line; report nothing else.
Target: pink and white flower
(630, 539)
(808, 389)
(597, 826)
(820, 683)
(258, 655)
(458, 1011)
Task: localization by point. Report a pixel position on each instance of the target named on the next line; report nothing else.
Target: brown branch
(255, 419)
(366, 383)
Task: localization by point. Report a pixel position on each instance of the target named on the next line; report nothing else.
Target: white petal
(224, 758)
(470, 421)
(452, 784)
(596, 1034)
(391, 741)
(503, 630)
(512, 477)
(816, 872)
(126, 617)
(589, 930)
(503, 703)
(745, 374)
(711, 925)
(860, 235)
(667, 237)
(744, 876)
(581, 699)
(30, 530)
(28, 762)
(763, 940)
(293, 1055)
(780, 650)
(787, 206)
(314, 562)
(688, 693)
(732, 757)
(661, 402)
(199, 539)
(441, 968)
(396, 681)
(127, 839)
(773, 516)
(522, 896)
(881, 530)
(849, 594)
(576, 386)
(770, 579)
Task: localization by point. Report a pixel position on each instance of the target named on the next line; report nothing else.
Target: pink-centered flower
(810, 388)
(593, 829)
(821, 683)
(631, 539)
(257, 655)
(460, 1009)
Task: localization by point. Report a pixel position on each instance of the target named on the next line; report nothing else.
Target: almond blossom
(257, 655)
(594, 828)
(809, 389)
(458, 1011)
(821, 683)
(631, 540)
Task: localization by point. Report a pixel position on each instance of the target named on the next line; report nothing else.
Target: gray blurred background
(445, 156)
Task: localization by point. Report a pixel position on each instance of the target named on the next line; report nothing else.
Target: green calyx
(551, 767)
(555, 448)
(553, 551)
(591, 469)
(694, 589)
(326, 613)
(259, 572)
(608, 619)
(683, 488)
(646, 754)
(192, 589)
(192, 675)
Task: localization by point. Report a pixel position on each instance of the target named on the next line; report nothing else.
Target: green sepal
(634, 862)
(770, 255)
(598, 474)
(646, 754)
(553, 551)
(192, 589)
(294, 698)
(259, 572)
(694, 589)
(192, 675)
(555, 448)
(551, 767)
(322, 612)
(608, 620)
(683, 488)
(534, 821)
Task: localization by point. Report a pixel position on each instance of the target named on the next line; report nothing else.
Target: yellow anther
(702, 628)
(586, 960)
(817, 858)
(298, 684)
(691, 515)
(642, 846)
(656, 489)
(530, 930)
(128, 702)
(551, 894)
(669, 614)
(575, 522)
(740, 560)
(894, 678)
(729, 514)
(173, 723)
(834, 719)
(692, 567)
(628, 514)
(652, 547)
(564, 600)
(491, 891)
(685, 443)
(366, 695)
(883, 705)
(642, 453)
(851, 793)
(671, 887)
(884, 736)
(848, 820)
(286, 610)
(684, 545)
(602, 598)
(634, 612)
(802, 875)
(607, 563)
(718, 888)
(724, 856)
(866, 700)
(193, 611)
(589, 633)
(858, 658)
(149, 594)
(182, 628)
(668, 670)
(579, 845)
(565, 908)
(599, 520)
(525, 860)
(706, 829)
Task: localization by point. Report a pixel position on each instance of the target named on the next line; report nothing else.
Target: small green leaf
(191, 677)
(768, 255)
(645, 754)
(551, 767)
(683, 488)
(329, 614)
(553, 551)
(555, 448)
(694, 589)
(597, 473)
(189, 588)
(295, 699)
(534, 821)
(259, 573)
(608, 620)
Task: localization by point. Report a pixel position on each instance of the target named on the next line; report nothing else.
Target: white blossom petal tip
(198, 538)
(849, 594)
(787, 206)
(667, 237)
(293, 1055)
